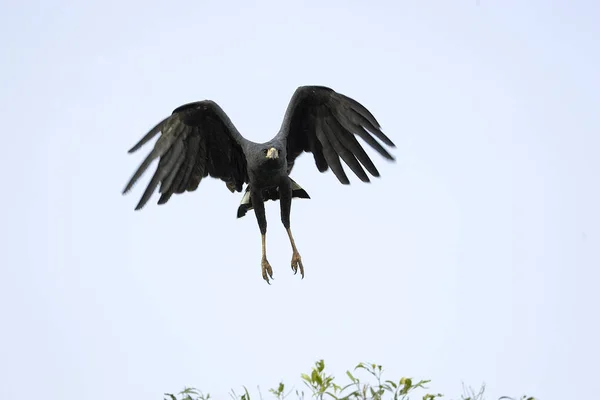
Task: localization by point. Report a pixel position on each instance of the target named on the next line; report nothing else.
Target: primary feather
(197, 140)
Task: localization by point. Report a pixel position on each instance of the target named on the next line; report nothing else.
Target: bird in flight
(198, 140)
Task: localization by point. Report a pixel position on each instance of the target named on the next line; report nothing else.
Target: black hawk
(199, 140)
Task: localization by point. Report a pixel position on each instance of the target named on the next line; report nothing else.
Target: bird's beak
(272, 153)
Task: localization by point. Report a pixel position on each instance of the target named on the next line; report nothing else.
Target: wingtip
(387, 141)
(388, 156)
(136, 147)
(375, 173)
(128, 187)
(140, 205)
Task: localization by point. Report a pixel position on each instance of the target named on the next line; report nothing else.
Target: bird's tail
(268, 194)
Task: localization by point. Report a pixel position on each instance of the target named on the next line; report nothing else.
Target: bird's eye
(265, 151)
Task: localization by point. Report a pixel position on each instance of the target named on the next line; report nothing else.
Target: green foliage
(322, 386)
(188, 394)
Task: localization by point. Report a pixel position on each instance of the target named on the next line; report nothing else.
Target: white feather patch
(246, 198)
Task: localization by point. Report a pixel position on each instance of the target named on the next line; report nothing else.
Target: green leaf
(320, 365)
(352, 378)
(392, 383)
(373, 392)
(318, 379)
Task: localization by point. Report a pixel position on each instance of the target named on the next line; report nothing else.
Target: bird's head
(271, 153)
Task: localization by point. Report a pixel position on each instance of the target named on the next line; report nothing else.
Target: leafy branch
(322, 385)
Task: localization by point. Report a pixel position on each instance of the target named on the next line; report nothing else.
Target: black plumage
(199, 140)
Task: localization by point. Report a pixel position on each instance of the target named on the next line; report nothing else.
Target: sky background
(473, 259)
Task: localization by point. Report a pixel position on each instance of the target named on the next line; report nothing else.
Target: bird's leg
(285, 199)
(259, 211)
(296, 259)
(267, 271)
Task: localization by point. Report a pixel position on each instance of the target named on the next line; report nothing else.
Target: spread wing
(197, 139)
(320, 121)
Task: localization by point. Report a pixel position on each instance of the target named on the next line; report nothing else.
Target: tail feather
(269, 194)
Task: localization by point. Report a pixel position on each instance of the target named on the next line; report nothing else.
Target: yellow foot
(267, 271)
(297, 263)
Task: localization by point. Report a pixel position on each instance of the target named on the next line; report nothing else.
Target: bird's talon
(267, 271)
(297, 264)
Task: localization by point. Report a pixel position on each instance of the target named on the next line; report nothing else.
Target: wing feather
(329, 153)
(336, 138)
(179, 154)
(363, 134)
(157, 128)
(314, 146)
(350, 142)
(194, 155)
(362, 110)
(197, 139)
(326, 123)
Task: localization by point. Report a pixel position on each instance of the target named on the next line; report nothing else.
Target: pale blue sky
(473, 259)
